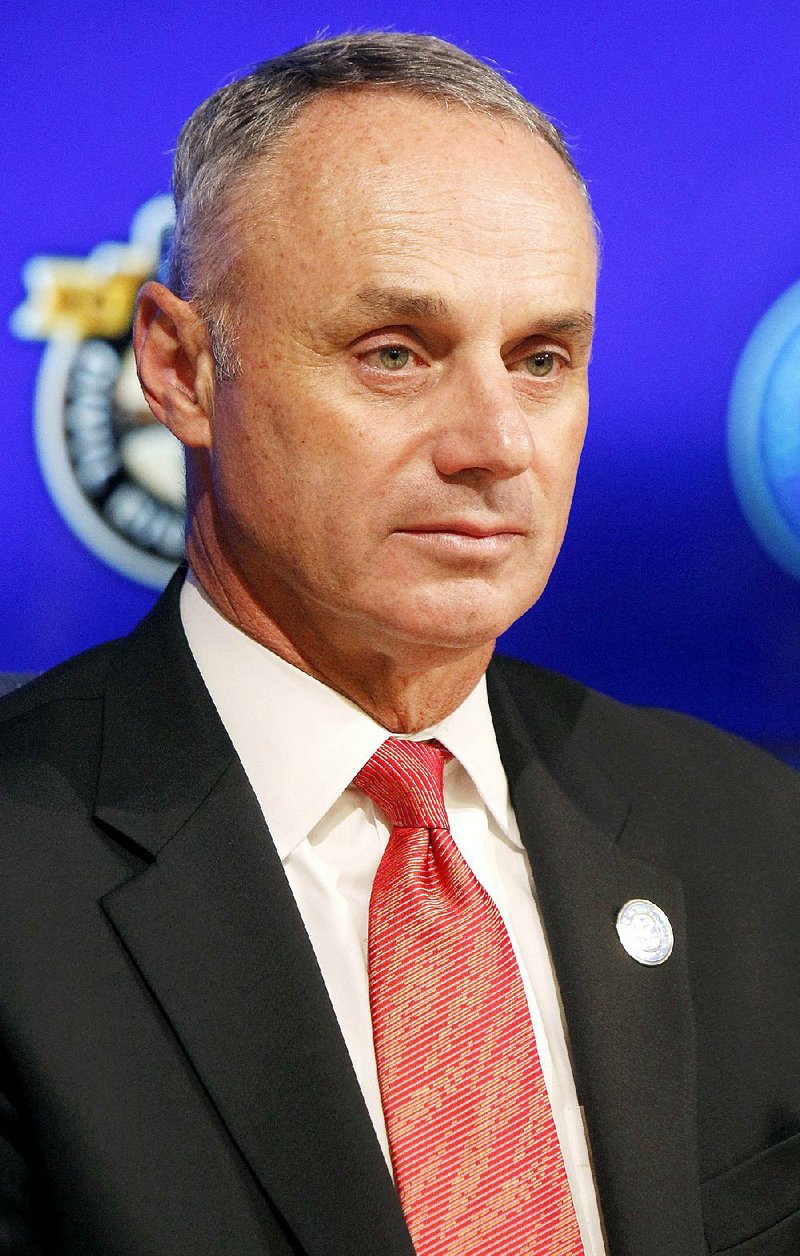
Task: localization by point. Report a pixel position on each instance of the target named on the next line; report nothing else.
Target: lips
(464, 527)
(463, 541)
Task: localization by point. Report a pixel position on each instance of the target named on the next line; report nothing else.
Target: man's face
(394, 465)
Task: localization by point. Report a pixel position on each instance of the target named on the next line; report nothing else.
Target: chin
(457, 629)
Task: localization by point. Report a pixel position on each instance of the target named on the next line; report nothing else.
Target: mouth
(464, 539)
(468, 529)
(474, 528)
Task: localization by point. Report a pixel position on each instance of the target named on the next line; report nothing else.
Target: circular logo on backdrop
(764, 431)
(115, 474)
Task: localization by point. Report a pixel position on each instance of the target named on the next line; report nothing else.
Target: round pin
(645, 932)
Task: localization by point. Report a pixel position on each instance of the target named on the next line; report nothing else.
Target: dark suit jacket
(172, 1077)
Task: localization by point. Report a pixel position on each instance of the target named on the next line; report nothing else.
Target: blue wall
(684, 120)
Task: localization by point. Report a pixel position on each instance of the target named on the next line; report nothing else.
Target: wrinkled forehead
(341, 139)
(368, 180)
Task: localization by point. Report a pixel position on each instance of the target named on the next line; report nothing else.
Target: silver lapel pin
(645, 932)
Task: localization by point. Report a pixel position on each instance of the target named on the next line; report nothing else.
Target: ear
(175, 364)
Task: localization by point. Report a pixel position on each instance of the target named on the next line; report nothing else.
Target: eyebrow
(577, 322)
(401, 303)
(398, 304)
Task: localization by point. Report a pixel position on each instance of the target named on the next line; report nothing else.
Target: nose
(483, 430)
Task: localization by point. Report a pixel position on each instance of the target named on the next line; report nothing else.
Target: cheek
(301, 504)
(260, 451)
(558, 468)
(560, 442)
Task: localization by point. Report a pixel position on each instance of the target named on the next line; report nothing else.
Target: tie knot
(405, 779)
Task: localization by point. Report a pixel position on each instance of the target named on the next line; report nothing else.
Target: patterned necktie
(475, 1153)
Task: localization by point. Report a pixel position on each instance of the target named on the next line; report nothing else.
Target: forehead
(375, 187)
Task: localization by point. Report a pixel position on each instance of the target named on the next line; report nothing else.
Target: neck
(403, 690)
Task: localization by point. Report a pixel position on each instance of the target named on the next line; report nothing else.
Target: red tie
(473, 1144)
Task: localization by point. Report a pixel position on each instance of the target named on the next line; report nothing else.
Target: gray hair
(247, 119)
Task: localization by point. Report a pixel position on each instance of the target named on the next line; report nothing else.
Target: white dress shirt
(301, 744)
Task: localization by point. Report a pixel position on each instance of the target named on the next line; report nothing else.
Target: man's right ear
(175, 364)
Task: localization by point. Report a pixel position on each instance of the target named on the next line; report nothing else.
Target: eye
(392, 357)
(542, 363)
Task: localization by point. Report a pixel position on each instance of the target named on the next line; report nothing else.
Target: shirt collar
(301, 743)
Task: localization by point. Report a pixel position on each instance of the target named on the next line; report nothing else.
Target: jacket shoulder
(78, 677)
(50, 730)
(674, 760)
(679, 774)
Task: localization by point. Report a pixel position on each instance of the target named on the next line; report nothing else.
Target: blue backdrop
(684, 120)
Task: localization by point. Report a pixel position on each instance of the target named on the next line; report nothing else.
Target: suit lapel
(629, 1026)
(212, 927)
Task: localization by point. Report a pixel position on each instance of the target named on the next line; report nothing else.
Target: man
(257, 996)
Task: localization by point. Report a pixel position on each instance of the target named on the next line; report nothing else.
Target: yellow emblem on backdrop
(68, 296)
(115, 474)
